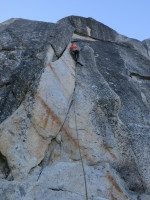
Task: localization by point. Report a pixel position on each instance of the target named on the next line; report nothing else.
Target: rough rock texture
(71, 130)
(147, 45)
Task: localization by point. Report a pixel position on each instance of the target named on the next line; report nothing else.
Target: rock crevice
(73, 130)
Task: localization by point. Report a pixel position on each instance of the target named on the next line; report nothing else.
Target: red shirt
(73, 46)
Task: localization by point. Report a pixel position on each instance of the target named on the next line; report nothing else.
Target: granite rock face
(73, 130)
(147, 45)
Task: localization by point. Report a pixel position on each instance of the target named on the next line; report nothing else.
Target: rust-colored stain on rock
(49, 112)
(109, 150)
(57, 120)
(115, 185)
(65, 128)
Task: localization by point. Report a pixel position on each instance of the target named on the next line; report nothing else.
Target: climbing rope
(76, 127)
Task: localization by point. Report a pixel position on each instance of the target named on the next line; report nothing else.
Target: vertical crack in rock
(84, 174)
(112, 150)
(67, 113)
(140, 177)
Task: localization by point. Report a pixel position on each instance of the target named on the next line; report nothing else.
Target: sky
(128, 17)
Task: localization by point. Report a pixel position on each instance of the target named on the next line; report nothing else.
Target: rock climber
(74, 51)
